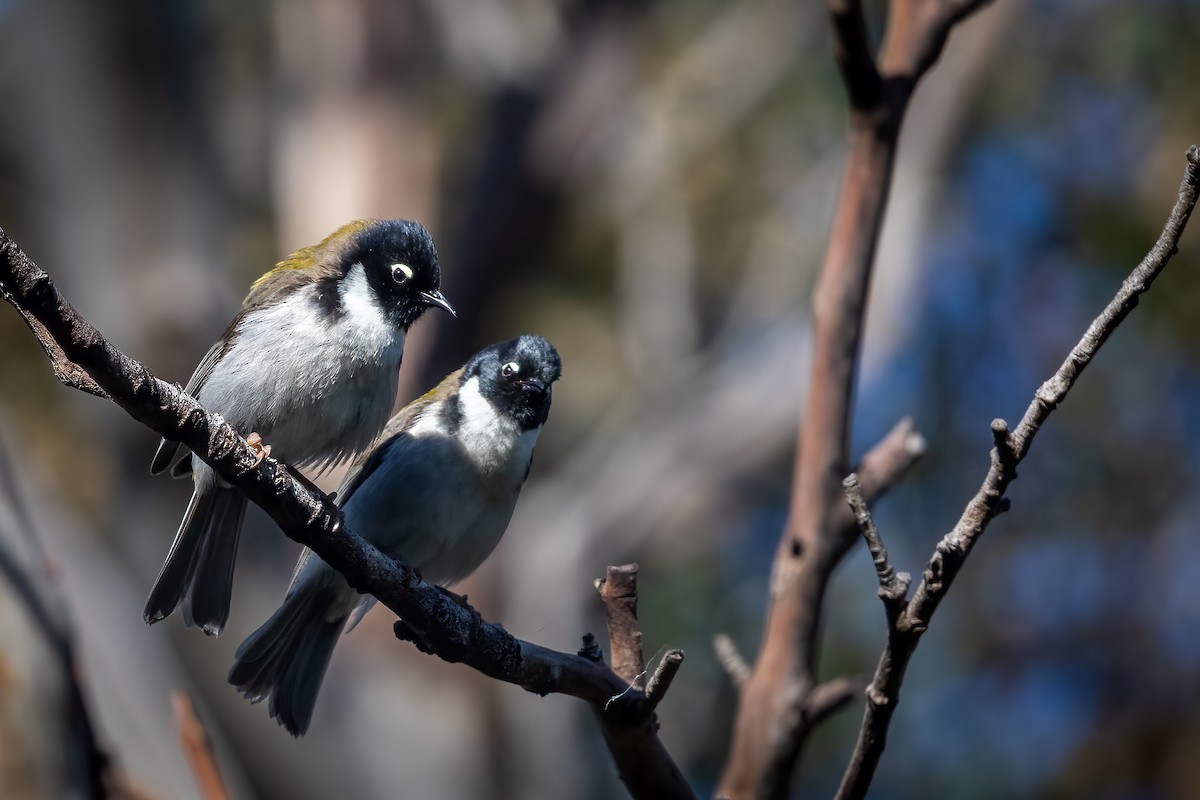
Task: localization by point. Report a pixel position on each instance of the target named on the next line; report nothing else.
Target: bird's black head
(399, 263)
(516, 377)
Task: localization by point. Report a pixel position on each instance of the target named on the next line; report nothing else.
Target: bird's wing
(366, 603)
(172, 453)
(365, 465)
(286, 278)
(400, 422)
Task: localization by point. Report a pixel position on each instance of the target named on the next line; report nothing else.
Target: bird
(307, 371)
(438, 490)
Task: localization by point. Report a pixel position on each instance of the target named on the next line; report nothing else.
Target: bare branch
(890, 459)
(618, 590)
(1009, 450)
(917, 34)
(197, 746)
(882, 468)
(639, 763)
(828, 698)
(452, 631)
(1012, 448)
(768, 733)
(893, 586)
(1003, 444)
(731, 660)
(660, 681)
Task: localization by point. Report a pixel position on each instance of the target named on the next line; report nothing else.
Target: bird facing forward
(438, 490)
(309, 365)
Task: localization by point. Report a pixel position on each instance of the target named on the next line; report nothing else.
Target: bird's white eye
(401, 273)
(510, 369)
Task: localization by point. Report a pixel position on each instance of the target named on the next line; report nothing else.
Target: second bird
(310, 365)
(439, 490)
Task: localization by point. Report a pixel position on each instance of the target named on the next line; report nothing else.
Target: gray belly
(425, 502)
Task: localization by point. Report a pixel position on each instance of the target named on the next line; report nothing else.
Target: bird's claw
(260, 448)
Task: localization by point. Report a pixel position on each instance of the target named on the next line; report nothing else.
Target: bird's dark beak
(436, 298)
(535, 386)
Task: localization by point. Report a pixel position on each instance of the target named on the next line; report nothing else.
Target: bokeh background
(649, 185)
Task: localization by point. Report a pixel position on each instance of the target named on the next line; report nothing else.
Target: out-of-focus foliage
(649, 186)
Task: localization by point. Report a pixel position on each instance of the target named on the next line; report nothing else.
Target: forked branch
(906, 626)
(771, 724)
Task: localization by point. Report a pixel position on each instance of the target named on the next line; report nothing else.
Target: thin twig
(660, 681)
(890, 459)
(893, 586)
(197, 747)
(827, 698)
(731, 659)
(1009, 450)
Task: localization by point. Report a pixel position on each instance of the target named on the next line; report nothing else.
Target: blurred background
(649, 185)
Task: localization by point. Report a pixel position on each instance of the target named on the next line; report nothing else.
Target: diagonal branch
(453, 631)
(1010, 448)
(197, 748)
(888, 461)
(830, 697)
(666, 671)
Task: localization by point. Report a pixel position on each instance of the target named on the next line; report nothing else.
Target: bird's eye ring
(401, 273)
(510, 369)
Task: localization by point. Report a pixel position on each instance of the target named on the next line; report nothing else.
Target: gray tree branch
(893, 586)
(905, 628)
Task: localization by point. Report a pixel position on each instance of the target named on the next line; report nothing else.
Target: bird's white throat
(364, 312)
(341, 373)
(493, 440)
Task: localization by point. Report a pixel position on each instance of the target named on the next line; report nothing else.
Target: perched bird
(310, 365)
(438, 491)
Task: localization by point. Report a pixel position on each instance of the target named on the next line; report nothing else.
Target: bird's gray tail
(285, 659)
(199, 567)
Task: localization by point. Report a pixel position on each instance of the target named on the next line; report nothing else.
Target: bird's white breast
(493, 440)
(316, 386)
(440, 499)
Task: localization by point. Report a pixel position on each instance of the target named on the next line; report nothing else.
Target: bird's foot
(260, 448)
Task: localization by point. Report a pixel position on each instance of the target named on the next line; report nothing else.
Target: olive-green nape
(305, 257)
